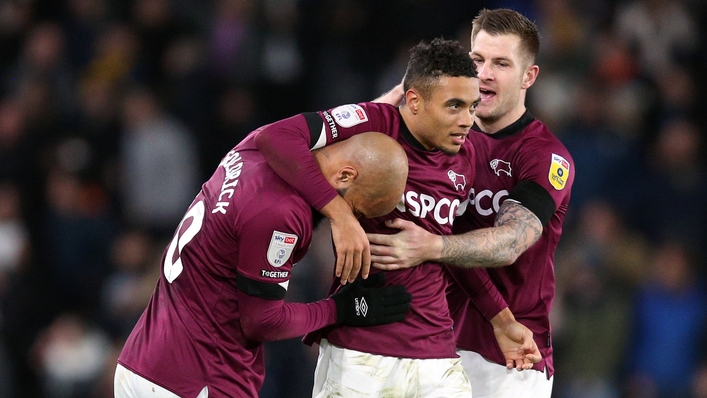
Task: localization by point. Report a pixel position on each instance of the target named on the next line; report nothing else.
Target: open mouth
(486, 94)
(458, 138)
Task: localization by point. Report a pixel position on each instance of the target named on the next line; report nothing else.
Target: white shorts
(130, 385)
(491, 380)
(351, 374)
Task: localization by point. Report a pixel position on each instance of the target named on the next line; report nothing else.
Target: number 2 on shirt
(172, 265)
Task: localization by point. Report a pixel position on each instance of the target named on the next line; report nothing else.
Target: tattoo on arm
(516, 229)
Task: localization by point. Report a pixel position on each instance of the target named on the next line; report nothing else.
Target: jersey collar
(407, 135)
(512, 129)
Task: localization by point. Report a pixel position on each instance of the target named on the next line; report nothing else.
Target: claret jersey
(436, 188)
(524, 152)
(223, 282)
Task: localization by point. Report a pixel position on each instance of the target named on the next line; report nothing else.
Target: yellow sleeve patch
(559, 172)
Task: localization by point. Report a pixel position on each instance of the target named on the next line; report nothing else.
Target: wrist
(435, 248)
(502, 319)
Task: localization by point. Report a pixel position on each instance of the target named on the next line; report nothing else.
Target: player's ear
(531, 73)
(345, 177)
(412, 99)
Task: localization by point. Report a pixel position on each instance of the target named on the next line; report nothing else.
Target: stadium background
(112, 113)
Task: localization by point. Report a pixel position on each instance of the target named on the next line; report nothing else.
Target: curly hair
(434, 59)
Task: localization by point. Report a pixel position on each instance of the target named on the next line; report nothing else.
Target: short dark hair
(434, 59)
(502, 21)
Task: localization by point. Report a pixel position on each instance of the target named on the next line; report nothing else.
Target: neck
(492, 126)
(410, 121)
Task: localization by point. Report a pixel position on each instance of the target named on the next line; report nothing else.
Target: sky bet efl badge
(349, 115)
(559, 172)
(280, 249)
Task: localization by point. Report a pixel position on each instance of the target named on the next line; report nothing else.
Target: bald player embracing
(226, 272)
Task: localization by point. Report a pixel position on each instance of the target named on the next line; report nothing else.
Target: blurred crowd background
(112, 113)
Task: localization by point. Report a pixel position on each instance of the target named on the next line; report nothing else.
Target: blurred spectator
(15, 18)
(160, 165)
(115, 56)
(234, 41)
(17, 151)
(43, 61)
(78, 231)
(155, 28)
(14, 235)
(128, 288)
(14, 252)
(237, 113)
(185, 81)
(670, 319)
(83, 23)
(596, 147)
(70, 354)
(663, 33)
(97, 123)
(660, 196)
(602, 262)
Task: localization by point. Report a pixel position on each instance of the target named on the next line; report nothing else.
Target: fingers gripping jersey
(223, 280)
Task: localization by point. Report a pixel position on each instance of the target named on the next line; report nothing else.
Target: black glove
(366, 302)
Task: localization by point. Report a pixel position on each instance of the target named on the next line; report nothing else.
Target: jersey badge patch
(559, 171)
(280, 249)
(349, 115)
(501, 166)
(458, 180)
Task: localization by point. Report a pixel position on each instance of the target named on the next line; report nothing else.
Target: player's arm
(286, 146)
(514, 339)
(265, 316)
(515, 229)
(518, 225)
(393, 97)
(268, 242)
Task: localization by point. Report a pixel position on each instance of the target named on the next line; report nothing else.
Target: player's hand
(408, 248)
(394, 96)
(352, 249)
(517, 344)
(366, 302)
(353, 253)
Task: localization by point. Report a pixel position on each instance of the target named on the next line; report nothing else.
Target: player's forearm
(488, 247)
(516, 229)
(285, 147)
(270, 320)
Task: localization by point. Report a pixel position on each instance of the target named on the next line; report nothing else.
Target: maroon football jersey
(437, 185)
(524, 151)
(225, 273)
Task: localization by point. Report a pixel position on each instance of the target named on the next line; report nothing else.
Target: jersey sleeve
(269, 245)
(269, 320)
(547, 164)
(477, 284)
(270, 240)
(287, 144)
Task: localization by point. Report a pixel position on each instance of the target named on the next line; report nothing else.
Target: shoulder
(377, 110)
(538, 140)
(288, 212)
